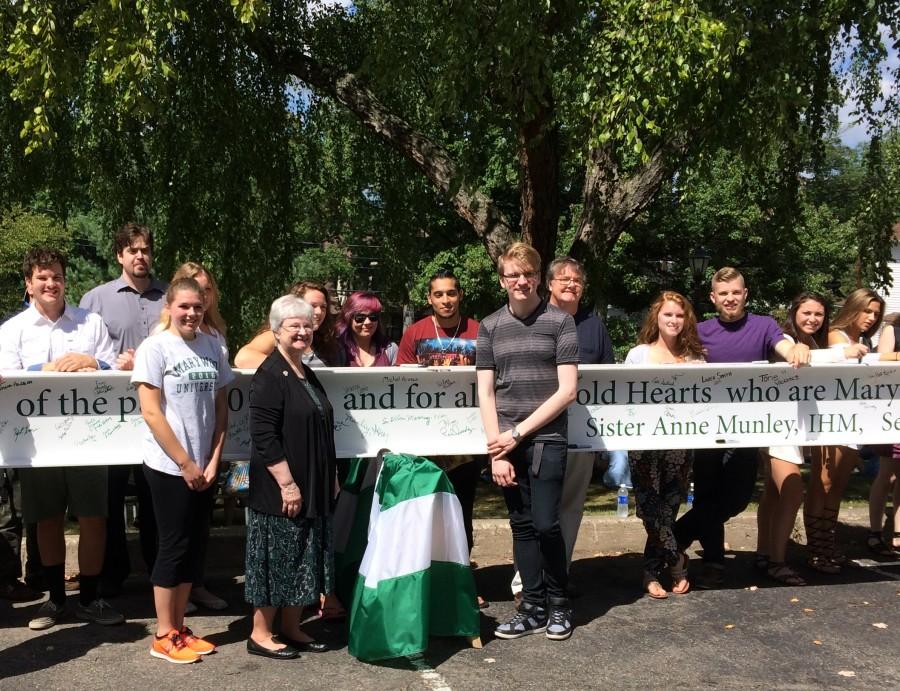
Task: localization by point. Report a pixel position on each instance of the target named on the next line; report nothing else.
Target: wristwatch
(516, 434)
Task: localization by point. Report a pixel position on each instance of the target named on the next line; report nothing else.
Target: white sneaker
(99, 612)
(47, 615)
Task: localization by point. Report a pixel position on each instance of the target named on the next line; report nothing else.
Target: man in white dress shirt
(51, 335)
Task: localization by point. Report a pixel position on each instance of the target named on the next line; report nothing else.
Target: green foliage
(477, 277)
(21, 230)
(330, 264)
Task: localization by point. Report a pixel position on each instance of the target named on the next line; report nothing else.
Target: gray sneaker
(559, 623)
(99, 612)
(47, 615)
(529, 619)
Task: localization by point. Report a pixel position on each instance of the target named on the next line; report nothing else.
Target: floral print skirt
(660, 480)
(290, 561)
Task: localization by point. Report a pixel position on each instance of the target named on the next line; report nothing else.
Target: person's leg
(91, 543)
(618, 471)
(546, 492)
(645, 476)
(787, 484)
(878, 493)
(526, 549)
(146, 519)
(10, 533)
(116, 564)
(725, 499)
(171, 575)
(52, 544)
(895, 523)
(579, 467)
(464, 479)
(707, 467)
(263, 621)
(765, 513)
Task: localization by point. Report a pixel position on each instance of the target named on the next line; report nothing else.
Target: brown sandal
(654, 588)
(679, 572)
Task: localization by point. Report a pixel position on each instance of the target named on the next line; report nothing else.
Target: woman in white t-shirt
(807, 323)
(181, 376)
(660, 477)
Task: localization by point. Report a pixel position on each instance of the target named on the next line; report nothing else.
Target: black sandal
(782, 573)
(877, 546)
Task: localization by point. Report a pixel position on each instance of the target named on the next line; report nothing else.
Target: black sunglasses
(361, 318)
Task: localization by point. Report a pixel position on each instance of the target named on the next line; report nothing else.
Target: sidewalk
(598, 536)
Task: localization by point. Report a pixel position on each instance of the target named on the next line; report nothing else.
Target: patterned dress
(660, 481)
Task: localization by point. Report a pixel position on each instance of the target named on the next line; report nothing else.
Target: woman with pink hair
(361, 333)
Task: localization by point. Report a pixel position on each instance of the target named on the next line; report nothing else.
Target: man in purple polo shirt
(724, 478)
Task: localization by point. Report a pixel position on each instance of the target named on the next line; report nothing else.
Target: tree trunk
(539, 186)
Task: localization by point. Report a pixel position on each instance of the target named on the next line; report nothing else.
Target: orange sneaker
(172, 648)
(198, 645)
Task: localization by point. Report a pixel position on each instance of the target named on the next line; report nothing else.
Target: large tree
(532, 118)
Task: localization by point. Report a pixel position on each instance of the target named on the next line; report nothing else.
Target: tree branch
(610, 203)
(433, 160)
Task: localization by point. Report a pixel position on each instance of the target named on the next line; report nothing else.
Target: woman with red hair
(660, 477)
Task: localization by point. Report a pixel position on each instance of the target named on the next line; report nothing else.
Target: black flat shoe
(311, 647)
(288, 653)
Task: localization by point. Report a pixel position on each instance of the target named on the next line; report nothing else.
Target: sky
(853, 133)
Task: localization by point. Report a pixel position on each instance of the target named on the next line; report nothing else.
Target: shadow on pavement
(63, 644)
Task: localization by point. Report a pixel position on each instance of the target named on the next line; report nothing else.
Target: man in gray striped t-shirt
(526, 362)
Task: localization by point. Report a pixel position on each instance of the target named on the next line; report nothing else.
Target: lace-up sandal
(679, 572)
(819, 542)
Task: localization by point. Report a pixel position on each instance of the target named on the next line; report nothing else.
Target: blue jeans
(618, 472)
(533, 505)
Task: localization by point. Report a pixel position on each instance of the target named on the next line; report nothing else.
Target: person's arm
(10, 356)
(502, 470)
(73, 362)
(549, 410)
(211, 471)
(258, 349)
(291, 499)
(150, 398)
(795, 354)
(266, 424)
(852, 351)
(887, 341)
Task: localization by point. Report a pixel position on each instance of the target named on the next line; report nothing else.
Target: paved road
(835, 633)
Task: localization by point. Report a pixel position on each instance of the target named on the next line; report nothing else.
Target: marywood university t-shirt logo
(202, 374)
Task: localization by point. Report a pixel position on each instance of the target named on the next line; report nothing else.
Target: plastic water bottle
(622, 502)
(690, 497)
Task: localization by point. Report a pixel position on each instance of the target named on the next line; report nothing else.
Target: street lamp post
(699, 260)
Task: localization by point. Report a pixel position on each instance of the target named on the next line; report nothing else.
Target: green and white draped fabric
(414, 580)
(351, 523)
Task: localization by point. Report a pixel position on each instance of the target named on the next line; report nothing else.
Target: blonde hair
(520, 252)
(725, 275)
(211, 317)
(855, 303)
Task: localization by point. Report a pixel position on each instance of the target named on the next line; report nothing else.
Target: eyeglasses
(514, 278)
(295, 328)
(361, 318)
(569, 281)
